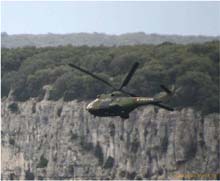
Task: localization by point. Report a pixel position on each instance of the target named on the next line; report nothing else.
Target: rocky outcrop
(61, 140)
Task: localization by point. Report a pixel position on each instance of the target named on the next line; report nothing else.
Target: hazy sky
(184, 18)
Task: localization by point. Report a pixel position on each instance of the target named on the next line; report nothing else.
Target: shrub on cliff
(13, 107)
(43, 162)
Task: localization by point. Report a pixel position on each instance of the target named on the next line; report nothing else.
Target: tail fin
(165, 89)
(169, 91)
(164, 96)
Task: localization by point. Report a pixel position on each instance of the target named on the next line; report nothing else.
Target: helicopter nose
(89, 107)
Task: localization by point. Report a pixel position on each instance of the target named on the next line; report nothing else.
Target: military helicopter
(120, 102)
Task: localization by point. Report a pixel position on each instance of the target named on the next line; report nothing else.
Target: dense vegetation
(97, 39)
(193, 67)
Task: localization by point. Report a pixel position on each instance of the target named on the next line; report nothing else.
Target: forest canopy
(193, 67)
(97, 39)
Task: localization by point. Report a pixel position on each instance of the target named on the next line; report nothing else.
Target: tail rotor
(168, 91)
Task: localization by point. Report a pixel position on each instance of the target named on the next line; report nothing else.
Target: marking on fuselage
(144, 99)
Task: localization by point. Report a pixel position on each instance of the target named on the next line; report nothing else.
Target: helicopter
(120, 102)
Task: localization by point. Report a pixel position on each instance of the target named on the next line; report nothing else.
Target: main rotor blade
(165, 106)
(129, 76)
(91, 74)
(165, 89)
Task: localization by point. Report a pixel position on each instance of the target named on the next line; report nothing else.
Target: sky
(112, 17)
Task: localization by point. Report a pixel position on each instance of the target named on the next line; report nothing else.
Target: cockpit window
(96, 100)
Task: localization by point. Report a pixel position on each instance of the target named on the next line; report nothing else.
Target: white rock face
(61, 140)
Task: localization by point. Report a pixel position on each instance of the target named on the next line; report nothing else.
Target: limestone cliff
(61, 140)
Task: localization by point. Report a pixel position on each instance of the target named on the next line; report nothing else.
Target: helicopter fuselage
(117, 106)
